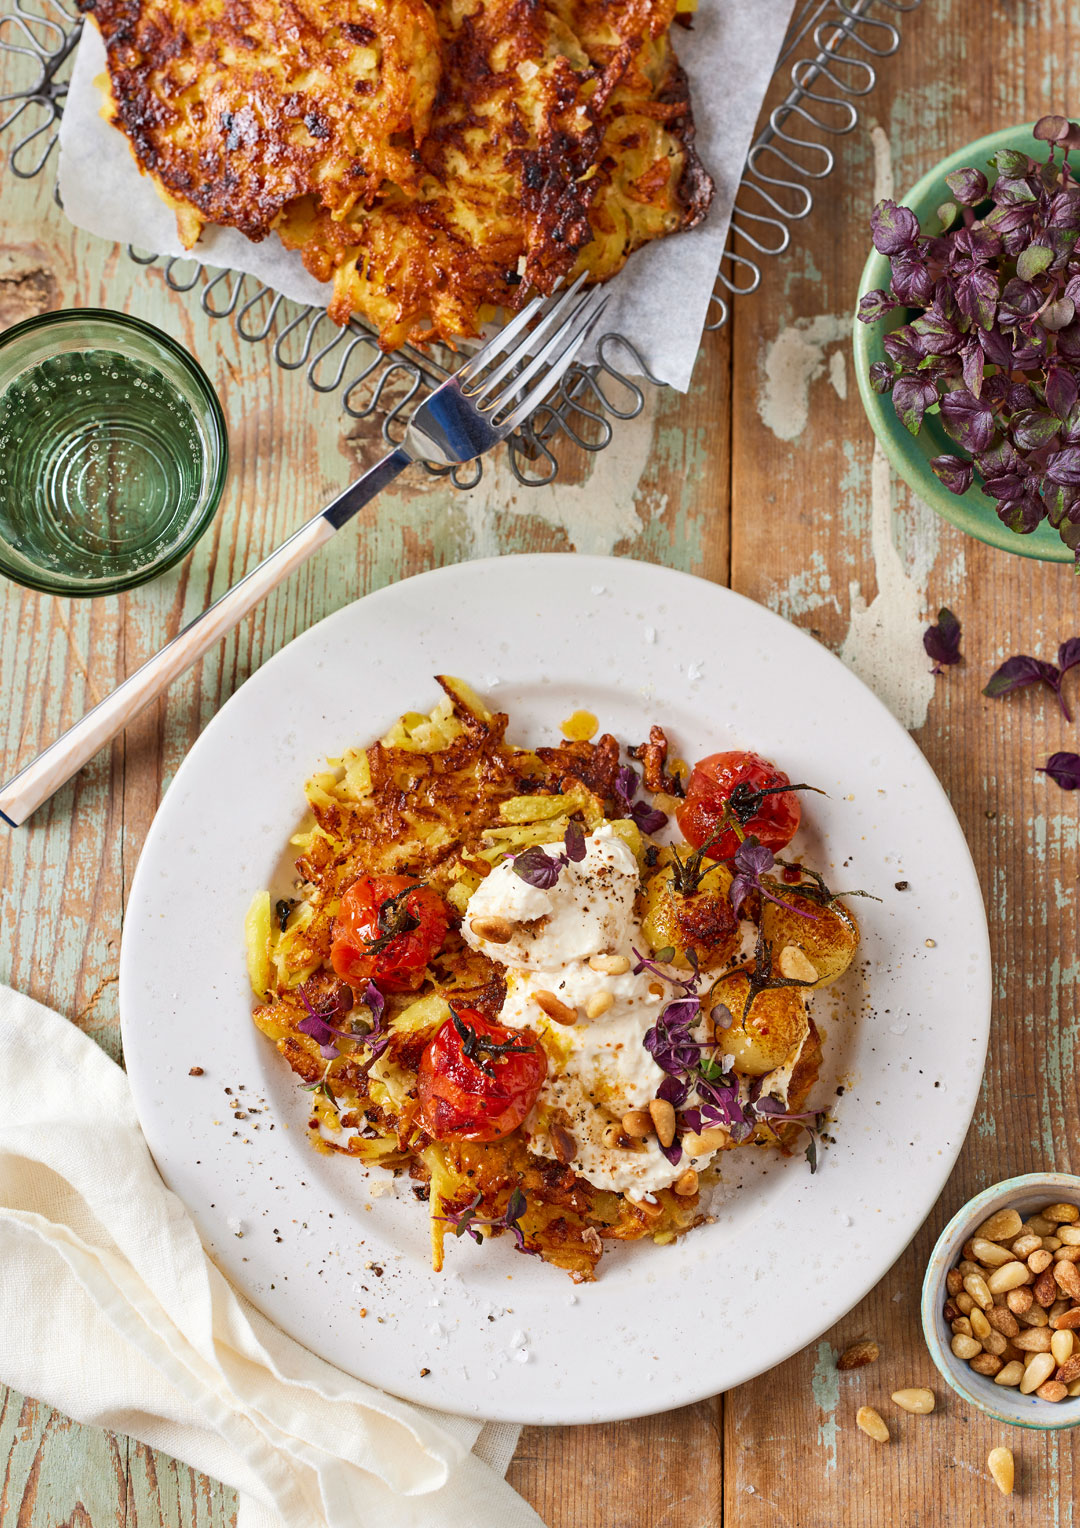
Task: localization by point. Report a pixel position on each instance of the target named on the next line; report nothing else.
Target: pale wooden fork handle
(25, 792)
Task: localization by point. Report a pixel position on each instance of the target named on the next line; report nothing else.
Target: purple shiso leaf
(894, 228)
(1050, 129)
(911, 280)
(626, 786)
(912, 396)
(1061, 391)
(1063, 769)
(1064, 466)
(969, 420)
(650, 819)
(669, 1041)
(317, 1026)
(942, 641)
(954, 472)
(1069, 654)
(1017, 672)
(875, 305)
(537, 868)
(574, 842)
(882, 377)
(375, 1003)
(968, 186)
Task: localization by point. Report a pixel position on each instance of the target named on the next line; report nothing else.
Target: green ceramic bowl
(911, 455)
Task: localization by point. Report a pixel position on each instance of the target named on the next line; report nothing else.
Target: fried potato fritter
(436, 162)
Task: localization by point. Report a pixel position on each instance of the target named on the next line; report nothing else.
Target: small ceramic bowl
(1027, 1195)
(910, 454)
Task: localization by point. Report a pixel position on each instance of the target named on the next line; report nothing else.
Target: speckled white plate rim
(499, 1335)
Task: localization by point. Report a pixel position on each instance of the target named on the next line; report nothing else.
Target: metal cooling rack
(829, 57)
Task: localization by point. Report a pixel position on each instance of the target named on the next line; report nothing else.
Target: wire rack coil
(829, 56)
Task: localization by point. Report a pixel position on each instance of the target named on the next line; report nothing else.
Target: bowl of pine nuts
(1001, 1301)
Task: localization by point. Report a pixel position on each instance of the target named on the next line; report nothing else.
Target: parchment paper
(659, 300)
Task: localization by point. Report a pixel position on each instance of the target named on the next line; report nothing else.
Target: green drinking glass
(113, 452)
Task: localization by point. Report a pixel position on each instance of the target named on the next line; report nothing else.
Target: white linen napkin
(111, 1311)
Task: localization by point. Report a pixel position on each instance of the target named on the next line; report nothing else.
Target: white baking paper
(659, 300)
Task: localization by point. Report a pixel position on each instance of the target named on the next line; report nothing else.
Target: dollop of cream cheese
(598, 1068)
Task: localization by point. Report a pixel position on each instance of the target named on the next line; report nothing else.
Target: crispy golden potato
(702, 921)
(828, 936)
(436, 162)
(773, 1027)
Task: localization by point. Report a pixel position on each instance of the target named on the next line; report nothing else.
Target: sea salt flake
(598, 589)
(650, 634)
(522, 1356)
(898, 1029)
(694, 671)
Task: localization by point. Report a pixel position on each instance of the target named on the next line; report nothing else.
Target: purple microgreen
(322, 1089)
(1063, 769)
(942, 640)
(537, 868)
(992, 341)
(1018, 672)
(466, 1221)
(688, 984)
(627, 782)
(669, 1041)
(317, 1021)
(648, 818)
(574, 842)
(752, 861)
(1069, 654)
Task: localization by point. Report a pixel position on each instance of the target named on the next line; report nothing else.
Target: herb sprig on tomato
(387, 929)
(478, 1079)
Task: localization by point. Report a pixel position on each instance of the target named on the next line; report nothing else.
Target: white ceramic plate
(501, 1335)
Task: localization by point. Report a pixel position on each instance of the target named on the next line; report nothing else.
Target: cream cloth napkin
(111, 1311)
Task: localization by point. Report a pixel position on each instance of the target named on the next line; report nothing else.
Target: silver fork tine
(552, 319)
(499, 342)
(587, 307)
(548, 382)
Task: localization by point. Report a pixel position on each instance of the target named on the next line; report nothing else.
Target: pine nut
(599, 1003)
(1011, 1374)
(967, 1251)
(1074, 1387)
(1058, 1308)
(871, 1424)
(1019, 1300)
(980, 1327)
(1036, 1316)
(1051, 1243)
(795, 966)
(954, 1281)
(1002, 1226)
(1068, 1279)
(858, 1354)
(494, 930)
(1039, 1227)
(966, 1347)
(1035, 1340)
(1009, 1276)
(1002, 1320)
(1067, 1255)
(1025, 1245)
(1037, 1372)
(1069, 1370)
(976, 1287)
(1052, 1390)
(989, 1253)
(1061, 1345)
(663, 1117)
(555, 1008)
(1002, 1469)
(986, 1363)
(964, 1303)
(995, 1343)
(704, 1144)
(962, 1327)
(1046, 1289)
(1069, 1321)
(614, 1135)
(1069, 1236)
(1061, 1214)
(920, 1402)
(967, 1268)
(687, 1184)
(1039, 1260)
(637, 1124)
(610, 965)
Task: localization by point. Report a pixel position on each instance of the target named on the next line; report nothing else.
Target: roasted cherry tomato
(387, 929)
(477, 1079)
(712, 783)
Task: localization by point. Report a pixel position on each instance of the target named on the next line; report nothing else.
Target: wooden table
(764, 478)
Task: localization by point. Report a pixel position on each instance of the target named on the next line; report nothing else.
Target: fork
(465, 416)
